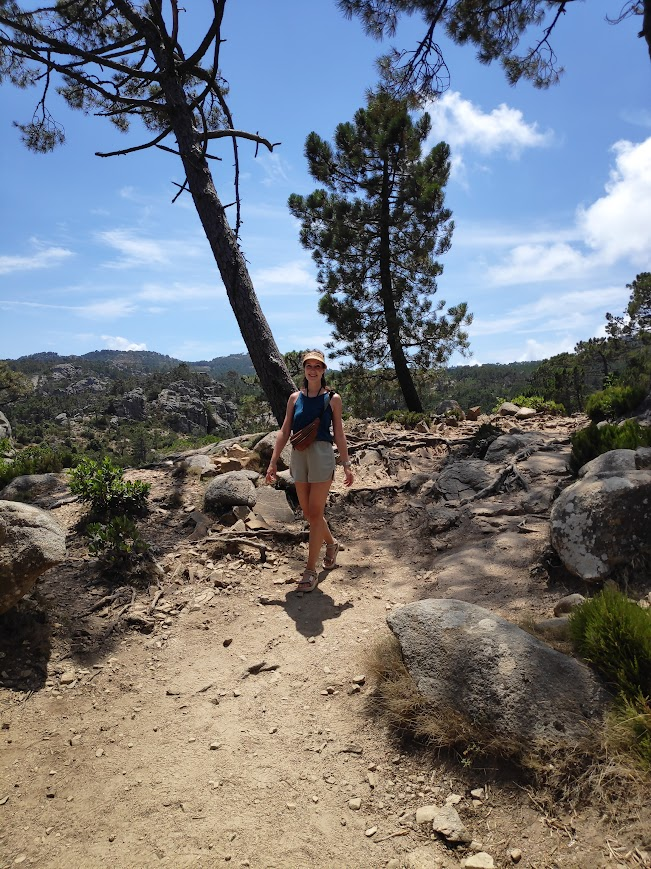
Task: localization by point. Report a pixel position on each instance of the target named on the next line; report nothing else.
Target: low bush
(40, 459)
(101, 485)
(117, 540)
(590, 442)
(540, 404)
(614, 401)
(614, 635)
(408, 418)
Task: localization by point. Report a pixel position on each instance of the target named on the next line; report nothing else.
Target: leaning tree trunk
(405, 380)
(265, 356)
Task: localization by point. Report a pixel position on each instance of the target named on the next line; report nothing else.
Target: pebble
(370, 832)
(482, 860)
(355, 804)
(515, 854)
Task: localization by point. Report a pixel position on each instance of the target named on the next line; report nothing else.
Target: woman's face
(313, 371)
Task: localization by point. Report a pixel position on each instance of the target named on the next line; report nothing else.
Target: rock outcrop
(466, 658)
(602, 521)
(31, 541)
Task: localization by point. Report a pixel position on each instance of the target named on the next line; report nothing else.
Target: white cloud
(464, 125)
(110, 309)
(43, 258)
(115, 342)
(555, 312)
(134, 250)
(293, 278)
(529, 263)
(274, 167)
(614, 228)
(618, 225)
(178, 292)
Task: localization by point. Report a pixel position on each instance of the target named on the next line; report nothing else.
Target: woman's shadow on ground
(310, 611)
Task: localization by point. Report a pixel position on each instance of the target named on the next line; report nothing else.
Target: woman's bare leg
(313, 497)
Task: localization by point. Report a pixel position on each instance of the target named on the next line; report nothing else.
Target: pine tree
(375, 233)
(494, 29)
(119, 60)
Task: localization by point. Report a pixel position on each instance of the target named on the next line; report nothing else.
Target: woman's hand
(271, 473)
(349, 476)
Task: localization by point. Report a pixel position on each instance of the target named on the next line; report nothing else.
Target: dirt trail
(164, 750)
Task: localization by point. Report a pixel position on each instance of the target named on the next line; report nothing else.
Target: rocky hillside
(218, 707)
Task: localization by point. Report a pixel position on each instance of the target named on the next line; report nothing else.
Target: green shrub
(590, 442)
(614, 401)
(101, 485)
(408, 418)
(614, 635)
(40, 459)
(540, 404)
(117, 540)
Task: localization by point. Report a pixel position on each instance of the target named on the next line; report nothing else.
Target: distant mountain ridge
(141, 361)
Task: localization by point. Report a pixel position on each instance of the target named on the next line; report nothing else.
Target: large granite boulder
(602, 521)
(508, 445)
(264, 448)
(31, 488)
(31, 541)
(460, 480)
(464, 658)
(233, 489)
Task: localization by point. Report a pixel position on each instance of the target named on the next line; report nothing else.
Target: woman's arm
(281, 438)
(340, 437)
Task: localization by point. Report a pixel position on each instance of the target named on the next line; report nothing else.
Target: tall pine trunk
(267, 360)
(405, 380)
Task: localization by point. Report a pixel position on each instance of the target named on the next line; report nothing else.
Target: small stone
(290, 805)
(453, 800)
(359, 680)
(370, 832)
(355, 804)
(99, 752)
(215, 745)
(111, 838)
(477, 793)
(425, 814)
(68, 677)
(482, 860)
(515, 854)
(226, 643)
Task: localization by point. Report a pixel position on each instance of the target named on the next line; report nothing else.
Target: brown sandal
(330, 559)
(308, 582)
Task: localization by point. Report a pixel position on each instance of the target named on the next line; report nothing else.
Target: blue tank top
(306, 409)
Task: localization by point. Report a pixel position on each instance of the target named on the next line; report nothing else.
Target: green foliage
(101, 485)
(40, 459)
(375, 233)
(590, 442)
(614, 401)
(540, 404)
(614, 635)
(13, 384)
(407, 418)
(117, 540)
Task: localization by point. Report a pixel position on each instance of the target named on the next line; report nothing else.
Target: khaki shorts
(316, 464)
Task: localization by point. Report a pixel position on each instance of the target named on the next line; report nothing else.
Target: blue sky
(550, 193)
